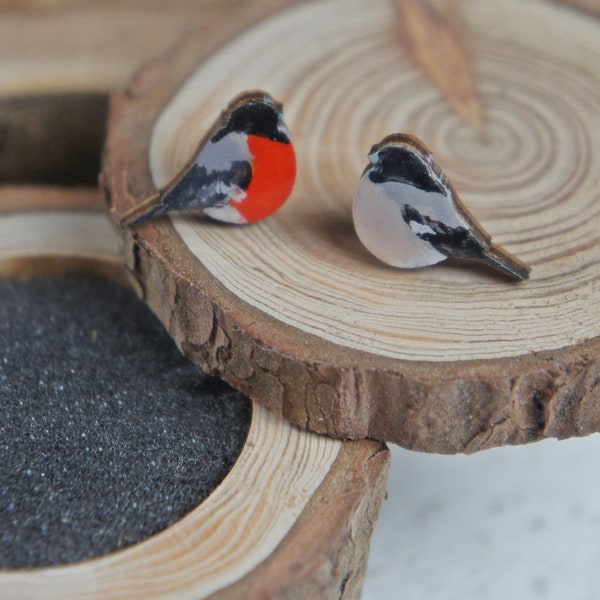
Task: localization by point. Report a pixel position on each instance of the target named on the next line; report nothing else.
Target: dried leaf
(435, 44)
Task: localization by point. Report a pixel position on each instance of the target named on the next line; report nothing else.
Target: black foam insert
(107, 433)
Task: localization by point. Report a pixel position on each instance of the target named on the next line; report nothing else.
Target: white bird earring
(408, 215)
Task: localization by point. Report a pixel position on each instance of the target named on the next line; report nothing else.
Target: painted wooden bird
(408, 215)
(242, 172)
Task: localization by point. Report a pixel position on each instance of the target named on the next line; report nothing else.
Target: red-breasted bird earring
(408, 215)
(242, 172)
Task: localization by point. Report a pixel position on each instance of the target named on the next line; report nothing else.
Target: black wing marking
(458, 242)
(198, 189)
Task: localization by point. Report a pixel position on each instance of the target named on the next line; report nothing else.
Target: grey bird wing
(452, 240)
(464, 243)
(198, 189)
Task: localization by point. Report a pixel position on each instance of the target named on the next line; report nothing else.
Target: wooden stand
(294, 312)
(292, 519)
(294, 516)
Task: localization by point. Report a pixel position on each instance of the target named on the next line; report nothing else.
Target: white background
(508, 523)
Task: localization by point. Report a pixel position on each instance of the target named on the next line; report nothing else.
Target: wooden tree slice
(87, 46)
(294, 516)
(294, 507)
(294, 312)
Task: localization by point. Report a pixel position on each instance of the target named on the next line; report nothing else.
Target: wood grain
(287, 487)
(289, 492)
(503, 180)
(107, 44)
(294, 311)
(38, 239)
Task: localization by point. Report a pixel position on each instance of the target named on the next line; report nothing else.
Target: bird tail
(149, 208)
(505, 262)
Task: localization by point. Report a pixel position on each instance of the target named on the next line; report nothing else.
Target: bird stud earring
(408, 215)
(242, 171)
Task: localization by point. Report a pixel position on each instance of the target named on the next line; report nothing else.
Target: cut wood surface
(292, 519)
(296, 313)
(87, 46)
(294, 516)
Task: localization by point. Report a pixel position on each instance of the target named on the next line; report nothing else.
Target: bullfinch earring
(242, 172)
(408, 215)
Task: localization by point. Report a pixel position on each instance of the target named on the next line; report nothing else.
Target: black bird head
(254, 113)
(404, 159)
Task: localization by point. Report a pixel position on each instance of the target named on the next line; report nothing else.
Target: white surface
(509, 523)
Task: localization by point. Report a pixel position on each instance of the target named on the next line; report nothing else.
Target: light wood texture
(52, 232)
(294, 516)
(39, 6)
(292, 498)
(87, 47)
(296, 313)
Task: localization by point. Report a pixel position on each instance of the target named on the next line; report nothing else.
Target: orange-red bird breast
(273, 176)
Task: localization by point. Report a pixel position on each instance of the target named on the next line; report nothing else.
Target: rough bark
(465, 402)
(334, 489)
